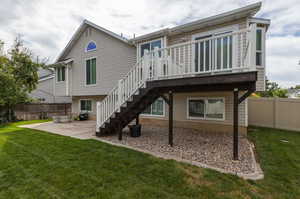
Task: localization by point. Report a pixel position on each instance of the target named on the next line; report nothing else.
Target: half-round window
(91, 46)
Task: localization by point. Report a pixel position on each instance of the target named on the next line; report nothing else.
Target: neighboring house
(204, 69)
(293, 93)
(44, 93)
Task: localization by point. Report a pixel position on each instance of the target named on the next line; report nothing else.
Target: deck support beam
(170, 118)
(235, 124)
(247, 94)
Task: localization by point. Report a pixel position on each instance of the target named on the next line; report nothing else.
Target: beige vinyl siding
(60, 87)
(260, 83)
(114, 59)
(180, 108)
(187, 36)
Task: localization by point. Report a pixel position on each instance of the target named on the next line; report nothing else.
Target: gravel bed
(212, 149)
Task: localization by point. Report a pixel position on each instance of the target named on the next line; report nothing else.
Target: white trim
(263, 47)
(85, 80)
(87, 51)
(85, 111)
(46, 78)
(153, 115)
(205, 101)
(260, 21)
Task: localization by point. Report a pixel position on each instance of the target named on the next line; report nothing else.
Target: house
(293, 93)
(44, 93)
(195, 75)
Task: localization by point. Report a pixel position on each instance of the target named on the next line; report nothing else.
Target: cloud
(47, 26)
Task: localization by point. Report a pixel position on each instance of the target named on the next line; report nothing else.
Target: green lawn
(36, 164)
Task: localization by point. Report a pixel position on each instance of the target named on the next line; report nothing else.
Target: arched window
(91, 46)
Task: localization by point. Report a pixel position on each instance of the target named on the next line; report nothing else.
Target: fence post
(276, 104)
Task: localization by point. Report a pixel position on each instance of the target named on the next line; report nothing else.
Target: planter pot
(61, 119)
(135, 130)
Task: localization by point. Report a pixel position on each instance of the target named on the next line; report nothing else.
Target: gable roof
(247, 11)
(80, 30)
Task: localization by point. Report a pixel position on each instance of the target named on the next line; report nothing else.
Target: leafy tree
(273, 90)
(18, 75)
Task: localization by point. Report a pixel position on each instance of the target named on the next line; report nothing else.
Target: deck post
(120, 130)
(235, 123)
(137, 119)
(171, 118)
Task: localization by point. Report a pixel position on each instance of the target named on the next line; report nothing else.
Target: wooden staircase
(129, 110)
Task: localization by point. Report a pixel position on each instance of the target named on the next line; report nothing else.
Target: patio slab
(77, 129)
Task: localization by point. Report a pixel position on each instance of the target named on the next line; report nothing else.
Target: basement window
(85, 105)
(206, 108)
(155, 109)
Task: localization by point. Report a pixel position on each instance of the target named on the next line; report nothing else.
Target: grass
(36, 164)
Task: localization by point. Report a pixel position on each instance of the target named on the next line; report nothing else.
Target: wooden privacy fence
(41, 111)
(282, 113)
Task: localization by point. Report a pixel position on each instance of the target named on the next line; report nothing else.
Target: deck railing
(226, 53)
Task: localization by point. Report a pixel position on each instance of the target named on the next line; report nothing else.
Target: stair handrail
(125, 88)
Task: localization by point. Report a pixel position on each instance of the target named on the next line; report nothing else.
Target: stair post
(119, 131)
(98, 117)
(120, 93)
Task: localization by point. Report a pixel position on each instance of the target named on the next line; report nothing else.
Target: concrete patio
(75, 129)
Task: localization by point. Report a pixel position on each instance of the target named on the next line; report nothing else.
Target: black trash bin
(135, 130)
(83, 116)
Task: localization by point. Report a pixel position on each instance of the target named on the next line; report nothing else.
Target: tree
(18, 75)
(273, 90)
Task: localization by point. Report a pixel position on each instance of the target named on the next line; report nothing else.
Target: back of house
(202, 64)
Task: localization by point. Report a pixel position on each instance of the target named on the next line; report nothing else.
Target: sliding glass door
(213, 54)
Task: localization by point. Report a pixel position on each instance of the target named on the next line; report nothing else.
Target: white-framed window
(91, 46)
(90, 71)
(149, 45)
(85, 105)
(210, 108)
(157, 108)
(259, 55)
(61, 74)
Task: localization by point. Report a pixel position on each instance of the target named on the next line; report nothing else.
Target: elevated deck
(221, 82)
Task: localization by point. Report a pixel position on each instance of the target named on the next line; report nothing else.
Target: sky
(46, 26)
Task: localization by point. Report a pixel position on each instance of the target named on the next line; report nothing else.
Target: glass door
(213, 54)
